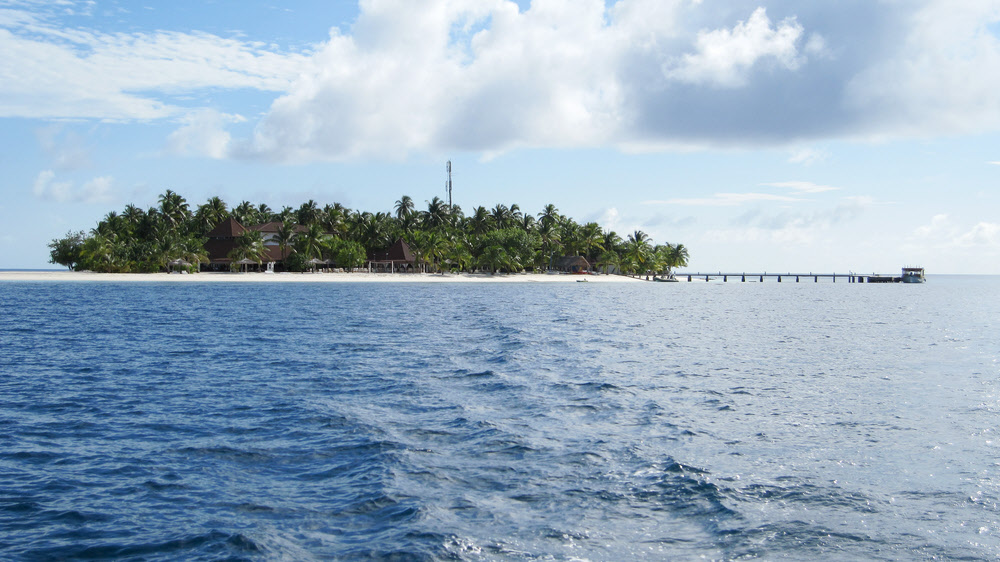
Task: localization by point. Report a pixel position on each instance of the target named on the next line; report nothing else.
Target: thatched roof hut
(572, 264)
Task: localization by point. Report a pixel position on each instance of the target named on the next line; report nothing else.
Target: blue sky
(774, 135)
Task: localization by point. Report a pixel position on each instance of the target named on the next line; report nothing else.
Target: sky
(771, 135)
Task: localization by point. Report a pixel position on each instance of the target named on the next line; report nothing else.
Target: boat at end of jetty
(912, 275)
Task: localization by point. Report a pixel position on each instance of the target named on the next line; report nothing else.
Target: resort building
(270, 231)
(221, 242)
(223, 239)
(398, 258)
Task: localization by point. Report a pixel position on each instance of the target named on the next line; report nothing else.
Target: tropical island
(212, 237)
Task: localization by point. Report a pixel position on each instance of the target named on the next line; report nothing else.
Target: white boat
(912, 275)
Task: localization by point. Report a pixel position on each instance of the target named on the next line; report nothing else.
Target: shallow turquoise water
(492, 421)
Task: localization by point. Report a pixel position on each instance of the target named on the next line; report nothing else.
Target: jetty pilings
(787, 276)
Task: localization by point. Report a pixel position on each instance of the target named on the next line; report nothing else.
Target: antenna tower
(448, 185)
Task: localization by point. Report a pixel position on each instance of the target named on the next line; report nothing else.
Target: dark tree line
(442, 237)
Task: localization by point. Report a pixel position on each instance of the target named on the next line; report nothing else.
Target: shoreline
(357, 277)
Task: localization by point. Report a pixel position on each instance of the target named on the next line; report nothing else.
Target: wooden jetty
(790, 277)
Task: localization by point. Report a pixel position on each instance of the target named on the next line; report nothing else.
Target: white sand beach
(356, 277)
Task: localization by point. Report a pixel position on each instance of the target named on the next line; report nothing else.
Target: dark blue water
(499, 421)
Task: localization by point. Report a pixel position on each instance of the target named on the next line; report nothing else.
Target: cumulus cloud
(943, 232)
(725, 56)
(96, 190)
(203, 133)
(488, 76)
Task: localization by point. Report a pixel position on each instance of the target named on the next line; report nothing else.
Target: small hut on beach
(397, 258)
(573, 264)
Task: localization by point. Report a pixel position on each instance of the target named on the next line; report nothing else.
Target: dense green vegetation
(442, 237)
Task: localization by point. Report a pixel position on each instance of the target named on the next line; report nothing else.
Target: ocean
(449, 421)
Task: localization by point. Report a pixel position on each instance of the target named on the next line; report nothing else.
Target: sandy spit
(310, 277)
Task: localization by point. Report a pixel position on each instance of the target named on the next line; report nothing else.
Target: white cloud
(725, 200)
(45, 188)
(942, 78)
(808, 156)
(203, 133)
(96, 190)
(983, 234)
(53, 72)
(724, 57)
(942, 232)
(802, 186)
(791, 227)
(610, 219)
(482, 75)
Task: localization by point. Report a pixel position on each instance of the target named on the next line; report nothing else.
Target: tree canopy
(501, 238)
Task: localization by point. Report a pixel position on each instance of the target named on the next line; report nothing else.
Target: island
(172, 236)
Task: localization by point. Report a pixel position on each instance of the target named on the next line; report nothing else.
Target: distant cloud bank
(484, 76)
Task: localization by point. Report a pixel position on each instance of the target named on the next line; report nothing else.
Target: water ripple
(274, 421)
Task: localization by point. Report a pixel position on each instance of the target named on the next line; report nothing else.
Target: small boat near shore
(668, 279)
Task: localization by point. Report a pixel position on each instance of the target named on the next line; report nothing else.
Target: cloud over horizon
(486, 76)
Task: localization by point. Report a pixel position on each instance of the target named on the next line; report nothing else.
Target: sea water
(500, 421)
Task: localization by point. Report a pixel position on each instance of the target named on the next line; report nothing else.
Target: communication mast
(448, 184)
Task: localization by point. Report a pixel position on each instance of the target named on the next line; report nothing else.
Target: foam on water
(437, 421)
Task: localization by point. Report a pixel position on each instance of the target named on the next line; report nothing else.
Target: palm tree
(515, 213)
(193, 251)
(607, 259)
(308, 213)
(133, 215)
(480, 220)
(435, 246)
(404, 207)
(549, 215)
(245, 213)
(99, 253)
(334, 217)
(285, 237)
(569, 235)
(494, 257)
(173, 209)
(249, 246)
(211, 214)
(638, 251)
(310, 243)
(436, 214)
(527, 223)
(502, 216)
(461, 256)
(678, 257)
(550, 240)
(287, 213)
(264, 213)
(591, 240)
(408, 224)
